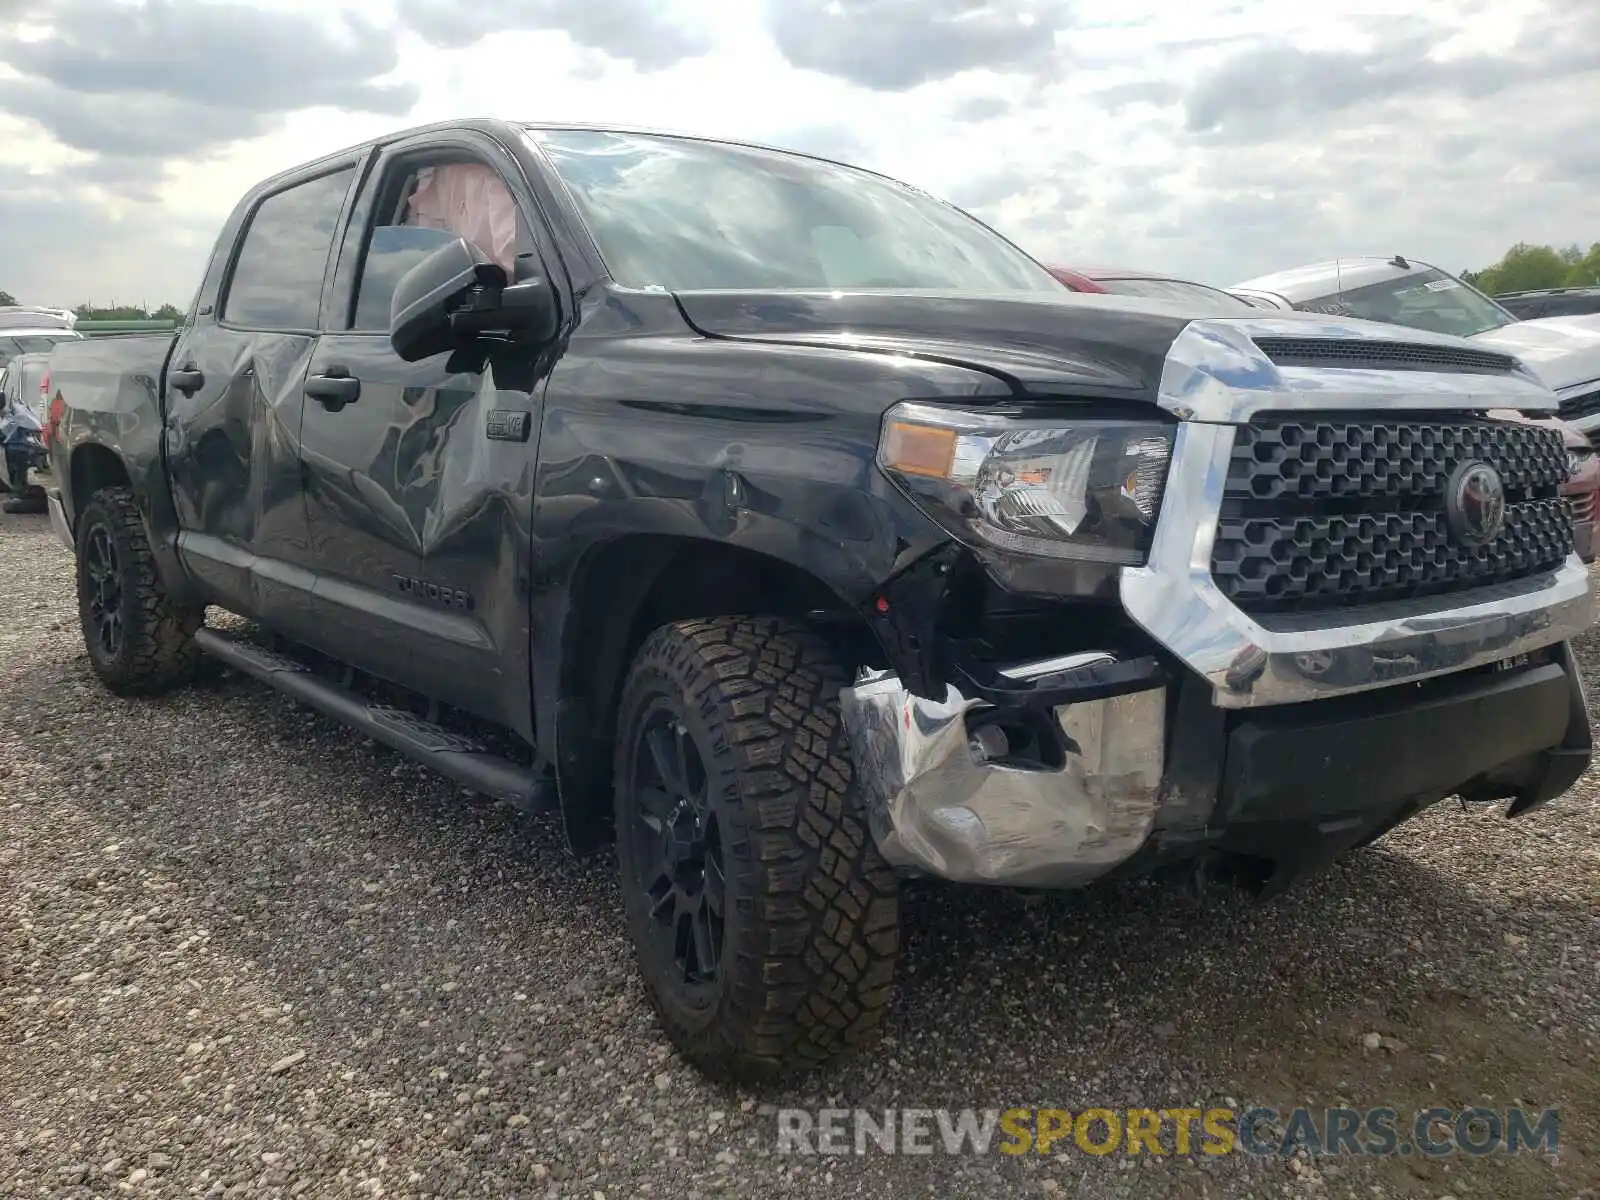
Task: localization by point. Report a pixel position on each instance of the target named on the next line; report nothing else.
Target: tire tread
(160, 651)
(816, 975)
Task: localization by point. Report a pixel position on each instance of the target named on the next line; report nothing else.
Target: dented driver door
(418, 483)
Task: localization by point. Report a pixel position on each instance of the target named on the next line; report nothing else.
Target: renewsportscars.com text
(1176, 1131)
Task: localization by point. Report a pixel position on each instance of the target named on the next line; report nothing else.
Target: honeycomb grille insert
(1323, 514)
(1388, 356)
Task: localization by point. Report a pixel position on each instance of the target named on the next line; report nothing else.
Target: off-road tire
(156, 650)
(812, 932)
(29, 504)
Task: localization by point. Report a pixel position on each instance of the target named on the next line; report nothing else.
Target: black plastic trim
(451, 754)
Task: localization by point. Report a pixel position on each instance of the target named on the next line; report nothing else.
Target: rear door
(419, 475)
(235, 395)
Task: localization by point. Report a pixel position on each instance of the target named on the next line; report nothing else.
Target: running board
(463, 759)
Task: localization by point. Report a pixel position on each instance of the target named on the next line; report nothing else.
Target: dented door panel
(420, 525)
(233, 456)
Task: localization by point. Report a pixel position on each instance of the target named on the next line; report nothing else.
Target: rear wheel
(138, 639)
(765, 921)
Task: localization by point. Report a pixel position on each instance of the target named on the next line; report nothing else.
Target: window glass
(420, 210)
(30, 343)
(1426, 299)
(1572, 306)
(677, 213)
(277, 281)
(393, 250)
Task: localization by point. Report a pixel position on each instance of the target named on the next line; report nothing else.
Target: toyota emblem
(1475, 503)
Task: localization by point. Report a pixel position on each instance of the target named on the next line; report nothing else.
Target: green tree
(1524, 268)
(7, 298)
(1586, 271)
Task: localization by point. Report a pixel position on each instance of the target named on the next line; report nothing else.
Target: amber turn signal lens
(919, 449)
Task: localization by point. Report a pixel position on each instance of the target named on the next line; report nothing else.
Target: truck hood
(1092, 346)
(1562, 351)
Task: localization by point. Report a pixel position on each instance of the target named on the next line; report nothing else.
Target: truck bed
(110, 374)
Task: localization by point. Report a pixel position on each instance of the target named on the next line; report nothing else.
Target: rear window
(1425, 299)
(32, 343)
(277, 279)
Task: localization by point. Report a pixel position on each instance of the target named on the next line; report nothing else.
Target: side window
(277, 278)
(421, 208)
(393, 250)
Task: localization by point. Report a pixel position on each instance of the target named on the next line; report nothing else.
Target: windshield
(1179, 290)
(678, 214)
(1425, 299)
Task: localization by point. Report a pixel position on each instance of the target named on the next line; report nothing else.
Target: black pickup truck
(797, 532)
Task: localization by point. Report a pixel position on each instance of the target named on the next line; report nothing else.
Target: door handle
(187, 379)
(334, 388)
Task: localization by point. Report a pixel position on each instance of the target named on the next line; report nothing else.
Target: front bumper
(937, 806)
(1152, 774)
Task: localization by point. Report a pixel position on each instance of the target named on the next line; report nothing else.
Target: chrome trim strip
(1050, 666)
(1174, 599)
(1215, 372)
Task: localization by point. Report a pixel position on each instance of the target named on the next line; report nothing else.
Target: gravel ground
(245, 952)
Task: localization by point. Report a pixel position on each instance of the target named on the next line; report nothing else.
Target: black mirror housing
(456, 297)
(419, 312)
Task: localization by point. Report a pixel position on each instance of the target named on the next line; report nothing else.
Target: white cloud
(1217, 138)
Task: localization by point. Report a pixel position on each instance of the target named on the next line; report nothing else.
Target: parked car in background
(1564, 351)
(29, 329)
(1121, 281)
(24, 462)
(798, 531)
(1551, 302)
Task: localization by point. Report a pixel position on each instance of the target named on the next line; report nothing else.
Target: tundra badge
(507, 425)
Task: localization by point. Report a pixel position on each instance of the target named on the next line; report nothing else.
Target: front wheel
(138, 639)
(766, 924)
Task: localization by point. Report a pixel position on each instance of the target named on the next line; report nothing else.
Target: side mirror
(455, 298)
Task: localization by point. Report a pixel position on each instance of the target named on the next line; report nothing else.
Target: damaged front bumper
(1154, 768)
(946, 798)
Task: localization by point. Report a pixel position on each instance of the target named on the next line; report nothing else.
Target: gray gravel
(245, 952)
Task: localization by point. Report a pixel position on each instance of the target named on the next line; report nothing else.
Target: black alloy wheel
(677, 859)
(102, 572)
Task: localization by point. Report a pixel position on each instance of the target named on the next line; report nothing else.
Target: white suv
(29, 329)
(1564, 351)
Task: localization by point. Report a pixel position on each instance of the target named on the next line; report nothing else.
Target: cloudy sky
(1213, 138)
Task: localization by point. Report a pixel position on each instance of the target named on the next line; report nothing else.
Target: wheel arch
(624, 589)
(93, 466)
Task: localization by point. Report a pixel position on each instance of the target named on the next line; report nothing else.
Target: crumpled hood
(1562, 351)
(1099, 346)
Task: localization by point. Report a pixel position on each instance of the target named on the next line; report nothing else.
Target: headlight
(1082, 489)
(1577, 459)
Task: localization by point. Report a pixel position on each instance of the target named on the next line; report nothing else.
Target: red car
(1123, 282)
(1583, 484)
